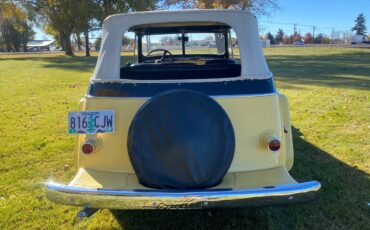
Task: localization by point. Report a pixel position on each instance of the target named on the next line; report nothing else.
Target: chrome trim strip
(187, 199)
(212, 96)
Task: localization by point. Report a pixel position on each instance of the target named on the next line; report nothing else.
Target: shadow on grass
(75, 63)
(341, 204)
(199, 219)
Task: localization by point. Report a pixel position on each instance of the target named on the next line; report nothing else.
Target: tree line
(308, 38)
(66, 18)
(282, 38)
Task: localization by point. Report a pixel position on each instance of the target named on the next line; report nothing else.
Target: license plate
(91, 122)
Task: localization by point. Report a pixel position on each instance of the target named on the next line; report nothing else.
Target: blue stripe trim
(240, 87)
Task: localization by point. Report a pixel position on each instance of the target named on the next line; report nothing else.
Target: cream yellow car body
(257, 176)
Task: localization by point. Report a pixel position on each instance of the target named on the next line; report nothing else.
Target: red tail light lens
(274, 145)
(87, 148)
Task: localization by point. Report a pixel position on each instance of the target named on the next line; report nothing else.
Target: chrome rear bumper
(169, 199)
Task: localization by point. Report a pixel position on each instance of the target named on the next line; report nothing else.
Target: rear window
(162, 55)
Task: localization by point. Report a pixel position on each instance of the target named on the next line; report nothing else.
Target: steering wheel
(165, 52)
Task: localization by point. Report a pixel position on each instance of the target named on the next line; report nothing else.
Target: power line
(295, 25)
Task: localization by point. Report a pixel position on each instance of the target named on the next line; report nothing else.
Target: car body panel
(288, 136)
(249, 123)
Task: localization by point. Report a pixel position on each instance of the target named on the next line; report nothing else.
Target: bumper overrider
(182, 199)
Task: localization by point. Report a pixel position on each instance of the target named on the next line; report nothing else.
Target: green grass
(329, 95)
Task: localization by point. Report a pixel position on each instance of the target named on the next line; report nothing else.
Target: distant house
(265, 43)
(40, 45)
(356, 39)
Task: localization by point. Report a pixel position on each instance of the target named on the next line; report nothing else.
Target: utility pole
(295, 28)
(313, 35)
(332, 35)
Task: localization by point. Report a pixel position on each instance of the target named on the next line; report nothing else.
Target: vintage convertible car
(185, 126)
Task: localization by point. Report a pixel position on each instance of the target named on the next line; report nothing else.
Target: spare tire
(181, 139)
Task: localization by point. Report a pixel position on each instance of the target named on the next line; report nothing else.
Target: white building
(356, 39)
(41, 45)
(266, 43)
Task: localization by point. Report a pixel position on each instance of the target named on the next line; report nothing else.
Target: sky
(325, 15)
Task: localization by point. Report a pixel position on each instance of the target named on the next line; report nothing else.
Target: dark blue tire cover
(181, 139)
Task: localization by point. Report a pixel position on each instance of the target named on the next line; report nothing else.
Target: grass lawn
(328, 88)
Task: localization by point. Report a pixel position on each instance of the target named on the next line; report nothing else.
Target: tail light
(89, 146)
(274, 145)
(270, 140)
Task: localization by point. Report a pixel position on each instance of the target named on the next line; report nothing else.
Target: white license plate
(91, 122)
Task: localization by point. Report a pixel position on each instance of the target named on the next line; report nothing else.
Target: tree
(297, 37)
(286, 40)
(325, 40)
(290, 39)
(335, 37)
(15, 29)
(97, 43)
(360, 26)
(209, 38)
(109, 7)
(256, 6)
(261, 7)
(49, 30)
(279, 36)
(64, 17)
(77, 40)
(308, 39)
(346, 36)
(318, 39)
(87, 12)
(26, 34)
(164, 40)
(270, 37)
(127, 41)
(60, 15)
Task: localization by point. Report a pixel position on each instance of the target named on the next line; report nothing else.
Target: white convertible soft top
(243, 22)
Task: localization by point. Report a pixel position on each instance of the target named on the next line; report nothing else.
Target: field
(328, 88)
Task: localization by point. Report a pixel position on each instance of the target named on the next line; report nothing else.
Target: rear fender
(285, 114)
